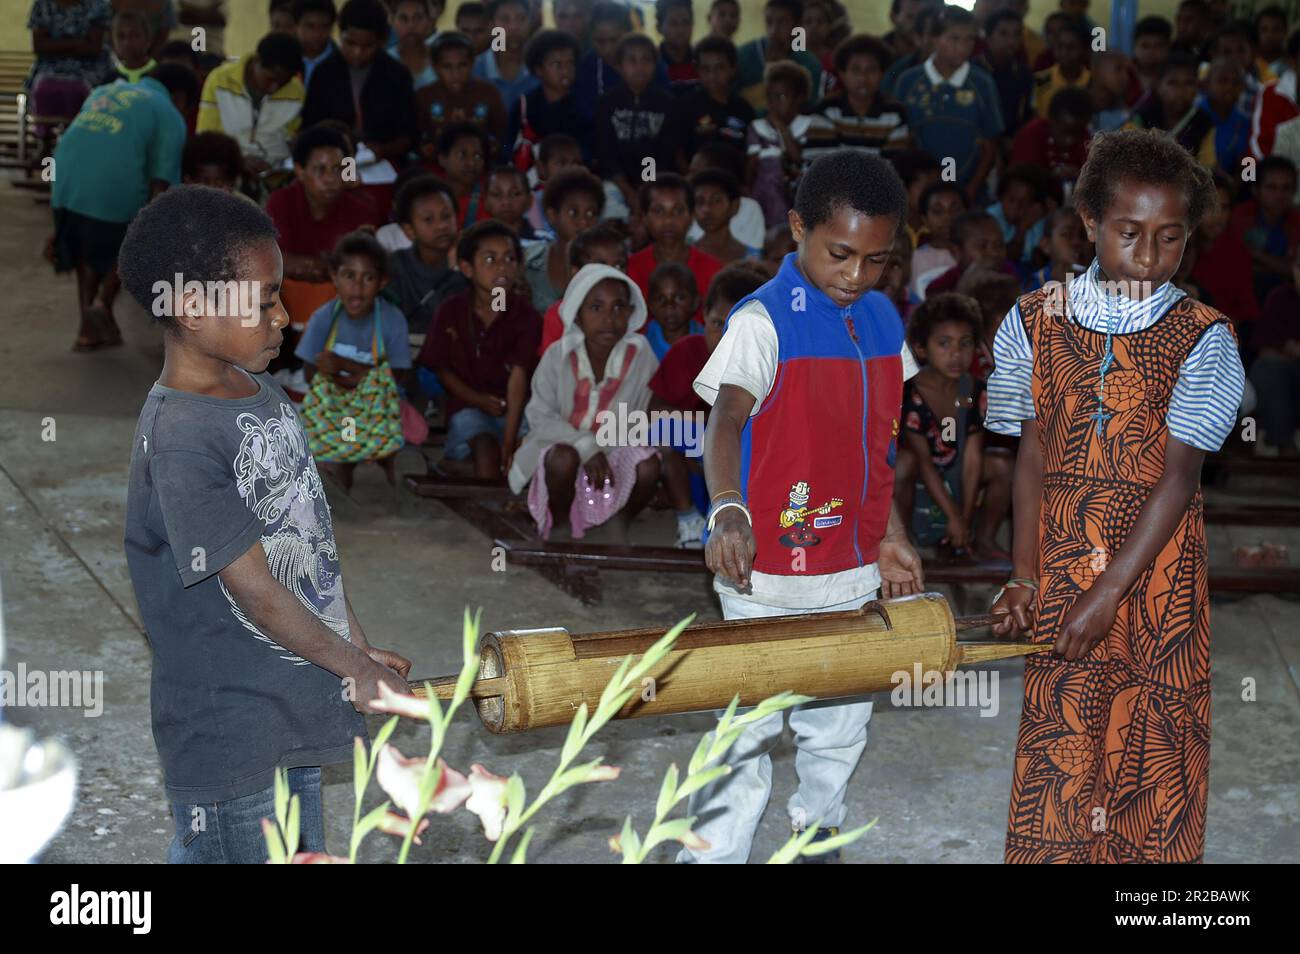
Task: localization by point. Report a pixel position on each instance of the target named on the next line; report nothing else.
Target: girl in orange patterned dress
(1118, 384)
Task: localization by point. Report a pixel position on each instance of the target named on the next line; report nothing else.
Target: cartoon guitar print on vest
(795, 517)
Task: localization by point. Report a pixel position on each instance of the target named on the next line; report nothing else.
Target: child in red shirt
(667, 206)
(672, 389)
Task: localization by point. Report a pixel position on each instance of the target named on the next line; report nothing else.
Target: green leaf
(576, 775)
(274, 846)
(794, 847)
(521, 849)
(291, 832)
(281, 797)
(515, 797)
(368, 824)
(573, 742)
(700, 757)
(360, 773)
(469, 654)
(630, 842)
(381, 738)
(667, 792)
(840, 840)
(674, 830)
(697, 781)
(724, 721)
(617, 683)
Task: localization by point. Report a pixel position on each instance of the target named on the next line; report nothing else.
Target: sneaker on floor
(830, 858)
(690, 530)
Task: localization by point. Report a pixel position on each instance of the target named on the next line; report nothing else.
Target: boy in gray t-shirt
(259, 662)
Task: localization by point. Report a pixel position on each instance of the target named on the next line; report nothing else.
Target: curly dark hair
(363, 245)
(863, 45)
(948, 306)
(1147, 156)
(545, 42)
(194, 231)
(848, 178)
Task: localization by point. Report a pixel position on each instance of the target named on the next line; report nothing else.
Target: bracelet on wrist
(713, 514)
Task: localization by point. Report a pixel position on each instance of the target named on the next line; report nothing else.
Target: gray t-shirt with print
(210, 477)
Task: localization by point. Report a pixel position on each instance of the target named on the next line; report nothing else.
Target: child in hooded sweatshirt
(586, 384)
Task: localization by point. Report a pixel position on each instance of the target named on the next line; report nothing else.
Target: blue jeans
(230, 832)
(468, 423)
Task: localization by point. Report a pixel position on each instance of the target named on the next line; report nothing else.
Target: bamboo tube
(538, 677)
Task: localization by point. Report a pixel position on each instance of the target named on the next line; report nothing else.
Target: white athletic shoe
(690, 530)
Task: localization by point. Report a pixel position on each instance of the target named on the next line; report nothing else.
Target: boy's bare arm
(934, 484)
(458, 389)
(283, 618)
(1093, 614)
(972, 469)
(516, 399)
(730, 550)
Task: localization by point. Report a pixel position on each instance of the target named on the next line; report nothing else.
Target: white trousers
(829, 738)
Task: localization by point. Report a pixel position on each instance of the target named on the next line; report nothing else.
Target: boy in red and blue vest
(806, 387)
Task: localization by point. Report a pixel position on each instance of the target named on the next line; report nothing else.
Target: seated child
(859, 115)
(711, 111)
(311, 215)
(995, 292)
(1223, 86)
(1222, 266)
(1171, 107)
(724, 18)
(940, 204)
(672, 389)
(672, 301)
(351, 352)
(457, 96)
(364, 87)
(775, 141)
(667, 206)
(605, 244)
(421, 275)
(462, 151)
(1109, 89)
(675, 20)
(483, 354)
(943, 436)
(1020, 209)
(919, 170)
(390, 235)
(600, 363)
(412, 25)
(212, 159)
(1271, 223)
(507, 200)
(473, 21)
(1070, 51)
(573, 199)
(1275, 372)
(978, 239)
(555, 152)
(1066, 247)
(897, 278)
(550, 107)
(777, 244)
(1058, 143)
(630, 123)
(747, 225)
(717, 200)
(777, 45)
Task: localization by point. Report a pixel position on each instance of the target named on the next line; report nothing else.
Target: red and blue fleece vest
(817, 460)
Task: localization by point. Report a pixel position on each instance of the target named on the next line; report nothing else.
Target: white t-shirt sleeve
(909, 363)
(746, 357)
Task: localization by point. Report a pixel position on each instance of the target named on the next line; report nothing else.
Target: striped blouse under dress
(1203, 406)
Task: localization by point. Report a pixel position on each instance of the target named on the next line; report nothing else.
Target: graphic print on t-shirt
(277, 479)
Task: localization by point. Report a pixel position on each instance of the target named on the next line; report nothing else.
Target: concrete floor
(938, 779)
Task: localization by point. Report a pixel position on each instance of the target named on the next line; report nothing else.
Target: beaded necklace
(1112, 317)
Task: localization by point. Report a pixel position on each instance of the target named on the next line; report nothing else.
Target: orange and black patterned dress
(1112, 758)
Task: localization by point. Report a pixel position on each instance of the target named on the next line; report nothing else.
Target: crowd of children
(533, 230)
(550, 133)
